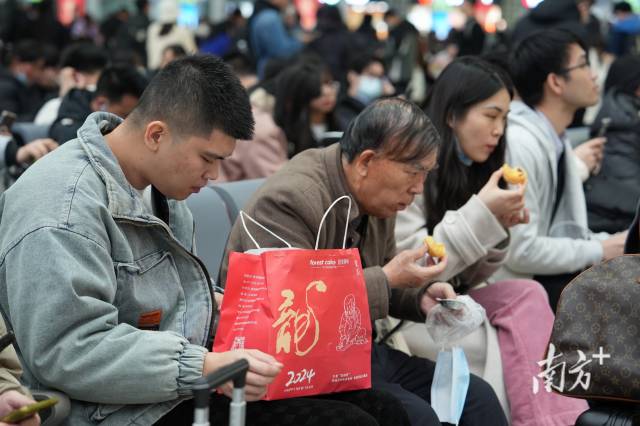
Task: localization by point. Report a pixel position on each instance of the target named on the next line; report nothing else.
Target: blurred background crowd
(310, 66)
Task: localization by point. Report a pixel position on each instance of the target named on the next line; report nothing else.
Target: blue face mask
(450, 384)
(21, 77)
(369, 89)
(461, 155)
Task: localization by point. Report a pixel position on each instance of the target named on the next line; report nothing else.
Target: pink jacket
(260, 157)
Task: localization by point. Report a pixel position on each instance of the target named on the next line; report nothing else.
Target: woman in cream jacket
(468, 206)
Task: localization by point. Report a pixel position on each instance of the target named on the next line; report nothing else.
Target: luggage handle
(237, 372)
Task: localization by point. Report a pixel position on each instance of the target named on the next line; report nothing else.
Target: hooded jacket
(613, 193)
(548, 244)
(74, 110)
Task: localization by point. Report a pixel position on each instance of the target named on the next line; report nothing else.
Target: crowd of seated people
(99, 278)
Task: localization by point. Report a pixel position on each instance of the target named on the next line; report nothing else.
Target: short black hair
(84, 57)
(141, 5)
(622, 6)
(391, 12)
(624, 75)
(50, 55)
(196, 94)
(537, 56)
(395, 127)
(239, 62)
(118, 80)
(360, 60)
(27, 50)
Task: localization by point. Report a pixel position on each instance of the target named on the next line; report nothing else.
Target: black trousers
(409, 378)
(554, 284)
(357, 408)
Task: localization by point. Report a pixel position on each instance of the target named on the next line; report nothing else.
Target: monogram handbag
(594, 350)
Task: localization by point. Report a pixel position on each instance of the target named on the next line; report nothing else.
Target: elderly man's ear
(363, 162)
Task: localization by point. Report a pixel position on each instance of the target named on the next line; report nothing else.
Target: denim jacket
(108, 303)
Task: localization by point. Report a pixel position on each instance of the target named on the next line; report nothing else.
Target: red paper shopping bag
(307, 308)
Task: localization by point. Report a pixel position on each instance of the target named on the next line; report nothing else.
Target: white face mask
(369, 89)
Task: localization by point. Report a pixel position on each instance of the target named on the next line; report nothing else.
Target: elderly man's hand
(12, 400)
(436, 291)
(404, 271)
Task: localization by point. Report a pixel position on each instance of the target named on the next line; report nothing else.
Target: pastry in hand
(514, 175)
(436, 250)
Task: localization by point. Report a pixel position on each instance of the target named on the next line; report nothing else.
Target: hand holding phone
(27, 411)
(606, 122)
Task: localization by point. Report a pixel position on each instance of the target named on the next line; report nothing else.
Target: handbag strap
(243, 215)
(346, 226)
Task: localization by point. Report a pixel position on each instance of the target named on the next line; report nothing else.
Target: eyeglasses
(585, 64)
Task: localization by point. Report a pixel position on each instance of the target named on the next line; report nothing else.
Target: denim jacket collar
(123, 200)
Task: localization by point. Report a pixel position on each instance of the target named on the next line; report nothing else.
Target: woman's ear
(451, 120)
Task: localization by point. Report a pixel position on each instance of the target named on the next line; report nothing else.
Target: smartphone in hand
(27, 411)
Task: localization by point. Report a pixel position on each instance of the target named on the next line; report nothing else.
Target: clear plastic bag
(446, 325)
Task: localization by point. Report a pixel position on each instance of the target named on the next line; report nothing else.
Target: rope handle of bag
(346, 226)
(244, 217)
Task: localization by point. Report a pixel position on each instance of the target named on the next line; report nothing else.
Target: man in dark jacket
(381, 163)
(403, 49)
(613, 193)
(117, 92)
(334, 42)
(19, 82)
(470, 39)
